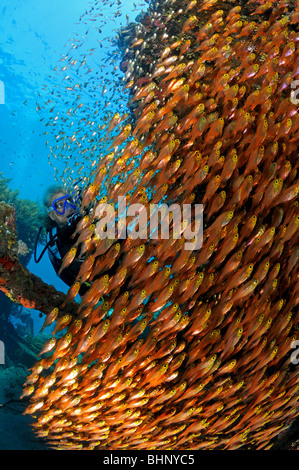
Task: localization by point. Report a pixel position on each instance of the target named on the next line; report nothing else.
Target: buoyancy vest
(59, 242)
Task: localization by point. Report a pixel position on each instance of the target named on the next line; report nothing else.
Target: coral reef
(23, 249)
(203, 339)
(16, 281)
(27, 217)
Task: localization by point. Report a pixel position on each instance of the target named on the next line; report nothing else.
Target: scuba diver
(62, 217)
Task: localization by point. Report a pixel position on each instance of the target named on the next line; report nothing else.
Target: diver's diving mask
(60, 204)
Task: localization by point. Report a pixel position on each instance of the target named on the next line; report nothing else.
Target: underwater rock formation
(203, 339)
(16, 281)
(27, 218)
(19, 223)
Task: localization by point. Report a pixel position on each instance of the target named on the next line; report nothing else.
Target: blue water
(34, 36)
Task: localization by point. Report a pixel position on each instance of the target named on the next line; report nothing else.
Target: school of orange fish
(196, 351)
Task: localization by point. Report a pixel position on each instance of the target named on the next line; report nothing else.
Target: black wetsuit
(60, 242)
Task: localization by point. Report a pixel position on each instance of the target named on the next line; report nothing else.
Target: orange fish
(220, 222)
(48, 346)
(227, 247)
(163, 297)
(244, 290)
(50, 318)
(62, 344)
(62, 322)
(228, 167)
(272, 191)
(67, 259)
(287, 195)
(133, 256)
(212, 187)
(88, 195)
(121, 137)
(189, 23)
